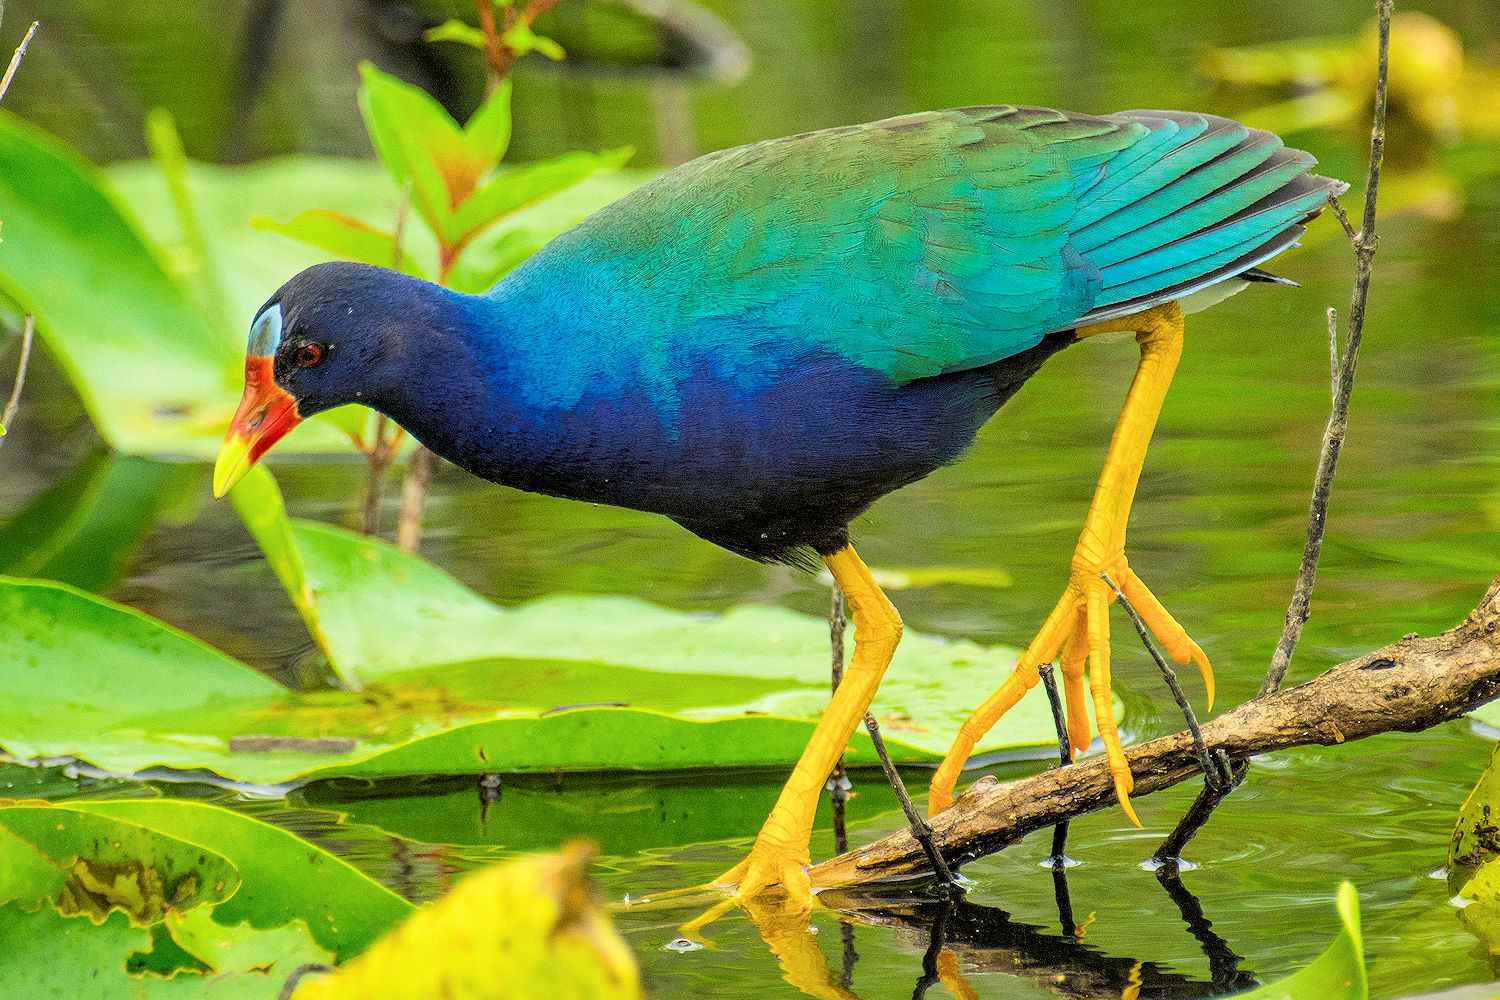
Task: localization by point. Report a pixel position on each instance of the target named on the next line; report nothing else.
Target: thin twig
(1058, 857)
(28, 326)
(414, 498)
(1211, 773)
(1333, 353)
(1169, 853)
(1342, 216)
(1338, 421)
(838, 781)
(919, 828)
(377, 459)
(15, 59)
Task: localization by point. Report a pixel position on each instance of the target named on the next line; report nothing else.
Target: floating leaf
(1338, 973)
(282, 877)
(127, 898)
(460, 686)
(266, 956)
(104, 865)
(526, 928)
(1476, 835)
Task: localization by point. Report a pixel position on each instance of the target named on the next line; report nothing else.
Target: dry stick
(1338, 421)
(414, 498)
(838, 781)
(1408, 686)
(917, 826)
(1364, 242)
(28, 327)
(419, 467)
(1211, 772)
(377, 459)
(1333, 353)
(1058, 857)
(15, 59)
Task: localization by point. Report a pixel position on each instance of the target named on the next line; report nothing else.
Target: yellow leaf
(526, 928)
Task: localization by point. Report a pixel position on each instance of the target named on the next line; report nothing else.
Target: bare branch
(1333, 353)
(414, 498)
(1408, 686)
(1211, 772)
(918, 827)
(1338, 419)
(15, 59)
(1342, 216)
(28, 327)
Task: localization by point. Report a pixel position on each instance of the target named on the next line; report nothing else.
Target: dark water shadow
(962, 937)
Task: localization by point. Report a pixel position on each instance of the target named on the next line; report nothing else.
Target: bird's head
(335, 333)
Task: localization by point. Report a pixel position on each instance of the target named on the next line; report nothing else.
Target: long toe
(1104, 709)
(1173, 637)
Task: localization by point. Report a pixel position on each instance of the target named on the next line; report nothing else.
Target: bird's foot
(772, 872)
(772, 865)
(1076, 633)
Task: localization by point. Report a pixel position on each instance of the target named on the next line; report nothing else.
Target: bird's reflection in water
(965, 938)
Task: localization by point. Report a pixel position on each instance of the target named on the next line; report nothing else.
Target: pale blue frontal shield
(265, 332)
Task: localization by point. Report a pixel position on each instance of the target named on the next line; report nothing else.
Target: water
(1217, 532)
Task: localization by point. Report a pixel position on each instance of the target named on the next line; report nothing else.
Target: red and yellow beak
(266, 413)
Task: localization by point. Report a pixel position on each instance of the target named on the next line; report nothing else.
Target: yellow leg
(1078, 626)
(780, 855)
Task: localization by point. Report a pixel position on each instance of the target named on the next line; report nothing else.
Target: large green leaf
(155, 376)
(1476, 835)
(341, 581)
(282, 877)
(100, 865)
(152, 897)
(1338, 973)
(80, 672)
(487, 690)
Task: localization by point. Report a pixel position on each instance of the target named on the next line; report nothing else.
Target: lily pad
(282, 876)
(768, 661)
(1476, 835)
(125, 898)
(102, 865)
(488, 690)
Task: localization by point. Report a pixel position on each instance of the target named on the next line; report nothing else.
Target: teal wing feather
(935, 242)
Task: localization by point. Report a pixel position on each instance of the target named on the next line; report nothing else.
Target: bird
(762, 342)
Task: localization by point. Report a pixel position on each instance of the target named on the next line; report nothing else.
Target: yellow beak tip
(232, 464)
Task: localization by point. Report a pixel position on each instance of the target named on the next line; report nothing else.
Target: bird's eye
(308, 355)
